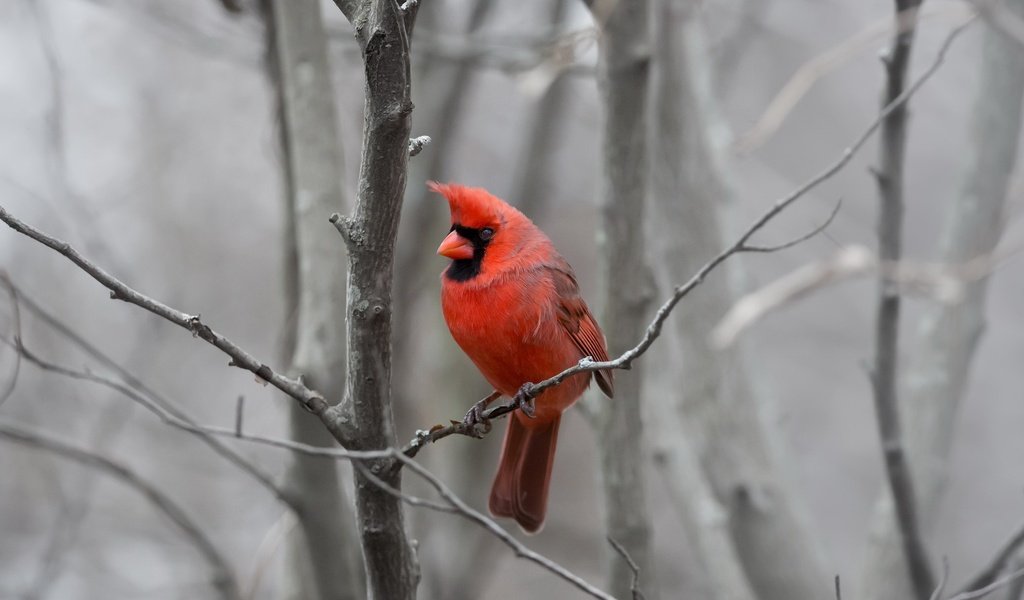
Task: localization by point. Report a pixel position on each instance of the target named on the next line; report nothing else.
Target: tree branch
(890, 177)
(998, 564)
(312, 400)
(12, 291)
(223, 578)
(165, 411)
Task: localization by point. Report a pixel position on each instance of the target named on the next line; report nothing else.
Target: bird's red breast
(512, 304)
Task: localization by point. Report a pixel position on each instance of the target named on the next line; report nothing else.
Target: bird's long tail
(521, 484)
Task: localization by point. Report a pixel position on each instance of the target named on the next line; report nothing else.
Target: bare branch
(893, 141)
(809, 73)
(16, 314)
(946, 336)
(635, 583)
(985, 591)
(943, 282)
(166, 412)
(223, 578)
(998, 563)
(193, 323)
(488, 524)
(794, 242)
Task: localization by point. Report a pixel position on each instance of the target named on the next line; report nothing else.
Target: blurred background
(145, 133)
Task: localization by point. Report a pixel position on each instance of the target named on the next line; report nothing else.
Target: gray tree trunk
(623, 79)
(323, 559)
(385, 34)
(720, 407)
(686, 192)
(946, 336)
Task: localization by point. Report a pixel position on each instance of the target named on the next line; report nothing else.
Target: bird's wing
(579, 323)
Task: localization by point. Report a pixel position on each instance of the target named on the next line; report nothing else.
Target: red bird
(512, 304)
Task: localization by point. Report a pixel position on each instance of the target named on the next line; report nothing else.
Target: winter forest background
(195, 149)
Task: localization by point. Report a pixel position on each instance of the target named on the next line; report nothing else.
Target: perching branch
(223, 577)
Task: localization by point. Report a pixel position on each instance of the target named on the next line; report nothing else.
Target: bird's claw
(475, 419)
(524, 400)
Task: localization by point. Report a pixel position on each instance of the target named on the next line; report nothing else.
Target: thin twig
(985, 591)
(203, 430)
(166, 411)
(998, 563)
(812, 71)
(803, 238)
(491, 526)
(12, 291)
(193, 323)
(635, 568)
(945, 283)
(224, 579)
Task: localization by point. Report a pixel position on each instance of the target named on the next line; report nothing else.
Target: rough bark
(721, 411)
(623, 80)
(323, 560)
(384, 31)
(946, 336)
(889, 177)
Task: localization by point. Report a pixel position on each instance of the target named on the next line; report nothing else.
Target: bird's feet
(523, 400)
(475, 418)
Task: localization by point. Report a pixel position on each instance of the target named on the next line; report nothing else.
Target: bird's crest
(472, 206)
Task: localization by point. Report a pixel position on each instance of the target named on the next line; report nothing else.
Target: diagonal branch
(998, 563)
(224, 579)
(165, 411)
(240, 358)
(12, 291)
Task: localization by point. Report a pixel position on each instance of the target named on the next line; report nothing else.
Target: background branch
(223, 577)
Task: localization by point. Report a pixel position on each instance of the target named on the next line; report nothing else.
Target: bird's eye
(486, 233)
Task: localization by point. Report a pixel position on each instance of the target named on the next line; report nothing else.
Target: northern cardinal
(512, 304)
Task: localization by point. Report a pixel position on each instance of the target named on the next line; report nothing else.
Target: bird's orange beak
(456, 247)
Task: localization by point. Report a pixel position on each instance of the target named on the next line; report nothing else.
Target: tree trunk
(323, 561)
(370, 232)
(720, 408)
(623, 79)
(946, 336)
